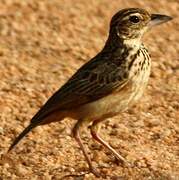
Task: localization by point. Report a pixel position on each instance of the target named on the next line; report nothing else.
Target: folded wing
(91, 82)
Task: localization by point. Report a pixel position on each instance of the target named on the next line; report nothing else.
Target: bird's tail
(22, 134)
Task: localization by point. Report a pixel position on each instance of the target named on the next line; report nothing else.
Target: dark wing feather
(94, 80)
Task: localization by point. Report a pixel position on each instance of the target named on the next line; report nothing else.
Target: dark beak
(157, 19)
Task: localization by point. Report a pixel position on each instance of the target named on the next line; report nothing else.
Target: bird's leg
(77, 137)
(94, 132)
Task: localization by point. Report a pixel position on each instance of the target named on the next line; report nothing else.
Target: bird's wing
(96, 79)
(91, 82)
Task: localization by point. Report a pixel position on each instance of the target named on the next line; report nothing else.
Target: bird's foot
(120, 160)
(82, 175)
(95, 172)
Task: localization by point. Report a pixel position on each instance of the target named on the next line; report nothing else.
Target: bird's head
(132, 23)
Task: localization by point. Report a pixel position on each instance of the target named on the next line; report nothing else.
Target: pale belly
(117, 102)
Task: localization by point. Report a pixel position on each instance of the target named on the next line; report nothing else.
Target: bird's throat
(132, 43)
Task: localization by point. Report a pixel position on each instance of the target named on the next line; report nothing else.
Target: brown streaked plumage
(106, 85)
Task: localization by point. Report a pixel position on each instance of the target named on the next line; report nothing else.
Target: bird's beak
(157, 19)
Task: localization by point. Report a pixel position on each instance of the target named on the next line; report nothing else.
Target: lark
(106, 85)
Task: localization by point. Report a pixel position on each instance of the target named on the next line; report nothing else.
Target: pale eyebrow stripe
(132, 14)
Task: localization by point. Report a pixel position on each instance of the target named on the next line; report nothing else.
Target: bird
(108, 84)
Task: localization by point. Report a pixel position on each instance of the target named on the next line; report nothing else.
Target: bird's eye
(134, 19)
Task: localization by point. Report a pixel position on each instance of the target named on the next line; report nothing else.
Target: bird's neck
(114, 43)
(132, 43)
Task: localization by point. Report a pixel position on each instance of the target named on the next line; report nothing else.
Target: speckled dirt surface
(41, 44)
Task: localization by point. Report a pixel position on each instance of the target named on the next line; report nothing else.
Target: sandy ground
(41, 44)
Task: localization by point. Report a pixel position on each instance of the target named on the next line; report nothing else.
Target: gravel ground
(41, 44)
